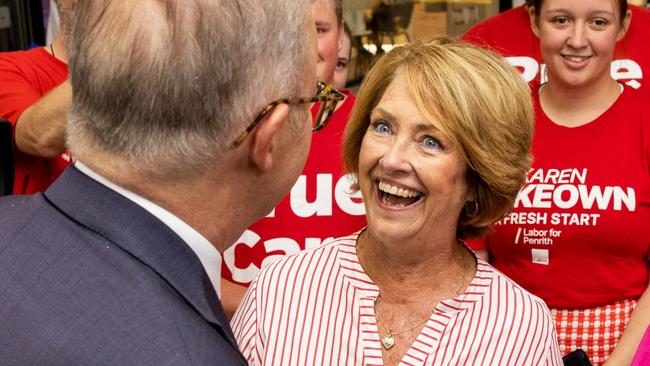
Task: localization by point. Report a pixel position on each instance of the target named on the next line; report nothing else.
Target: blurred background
(376, 26)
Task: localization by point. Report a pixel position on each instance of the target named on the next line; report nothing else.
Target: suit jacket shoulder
(89, 277)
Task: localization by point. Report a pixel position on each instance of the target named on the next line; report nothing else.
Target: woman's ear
(625, 25)
(263, 137)
(472, 186)
(534, 20)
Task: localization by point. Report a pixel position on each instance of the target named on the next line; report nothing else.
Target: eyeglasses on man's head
(326, 95)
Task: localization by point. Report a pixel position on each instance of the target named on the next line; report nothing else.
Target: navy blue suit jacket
(87, 277)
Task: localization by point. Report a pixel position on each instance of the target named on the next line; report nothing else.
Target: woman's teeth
(401, 192)
(575, 58)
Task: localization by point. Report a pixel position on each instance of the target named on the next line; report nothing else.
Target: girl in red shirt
(576, 236)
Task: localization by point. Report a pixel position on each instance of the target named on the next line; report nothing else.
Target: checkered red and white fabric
(596, 331)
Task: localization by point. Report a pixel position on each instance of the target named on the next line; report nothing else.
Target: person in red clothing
(35, 97)
(510, 34)
(341, 73)
(321, 205)
(577, 235)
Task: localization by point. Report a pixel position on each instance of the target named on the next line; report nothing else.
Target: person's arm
(629, 342)
(231, 296)
(40, 129)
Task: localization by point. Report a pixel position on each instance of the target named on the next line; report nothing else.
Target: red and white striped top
(316, 308)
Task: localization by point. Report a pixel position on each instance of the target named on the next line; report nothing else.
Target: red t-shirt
(578, 236)
(319, 207)
(25, 77)
(509, 33)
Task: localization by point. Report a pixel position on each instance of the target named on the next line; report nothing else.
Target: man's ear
(534, 20)
(262, 137)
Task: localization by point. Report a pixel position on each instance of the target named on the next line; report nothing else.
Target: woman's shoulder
(631, 110)
(634, 95)
(630, 103)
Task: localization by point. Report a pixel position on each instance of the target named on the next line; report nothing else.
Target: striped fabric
(596, 331)
(316, 308)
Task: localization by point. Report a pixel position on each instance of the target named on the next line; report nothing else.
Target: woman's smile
(394, 196)
(575, 61)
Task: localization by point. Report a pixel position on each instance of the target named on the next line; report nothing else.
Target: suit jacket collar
(141, 234)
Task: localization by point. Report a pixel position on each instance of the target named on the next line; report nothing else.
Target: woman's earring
(471, 208)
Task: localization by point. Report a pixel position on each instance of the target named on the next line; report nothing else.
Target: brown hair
(622, 7)
(477, 100)
(338, 7)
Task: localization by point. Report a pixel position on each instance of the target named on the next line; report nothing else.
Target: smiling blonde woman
(440, 141)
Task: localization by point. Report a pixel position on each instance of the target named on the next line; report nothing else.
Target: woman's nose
(578, 37)
(396, 157)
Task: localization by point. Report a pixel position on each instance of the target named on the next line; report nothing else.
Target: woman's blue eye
(430, 143)
(381, 127)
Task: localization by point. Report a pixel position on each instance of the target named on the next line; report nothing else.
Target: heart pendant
(388, 342)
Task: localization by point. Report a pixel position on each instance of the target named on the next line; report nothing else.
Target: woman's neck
(573, 107)
(425, 272)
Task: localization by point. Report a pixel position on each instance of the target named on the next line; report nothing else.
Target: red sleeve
(17, 93)
(25, 77)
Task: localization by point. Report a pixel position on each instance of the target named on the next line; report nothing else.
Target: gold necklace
(389, 340)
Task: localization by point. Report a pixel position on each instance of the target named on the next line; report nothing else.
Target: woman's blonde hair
(477, 100)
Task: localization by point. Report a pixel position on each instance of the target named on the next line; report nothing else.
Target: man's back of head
(183, 138)
(169, 94)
